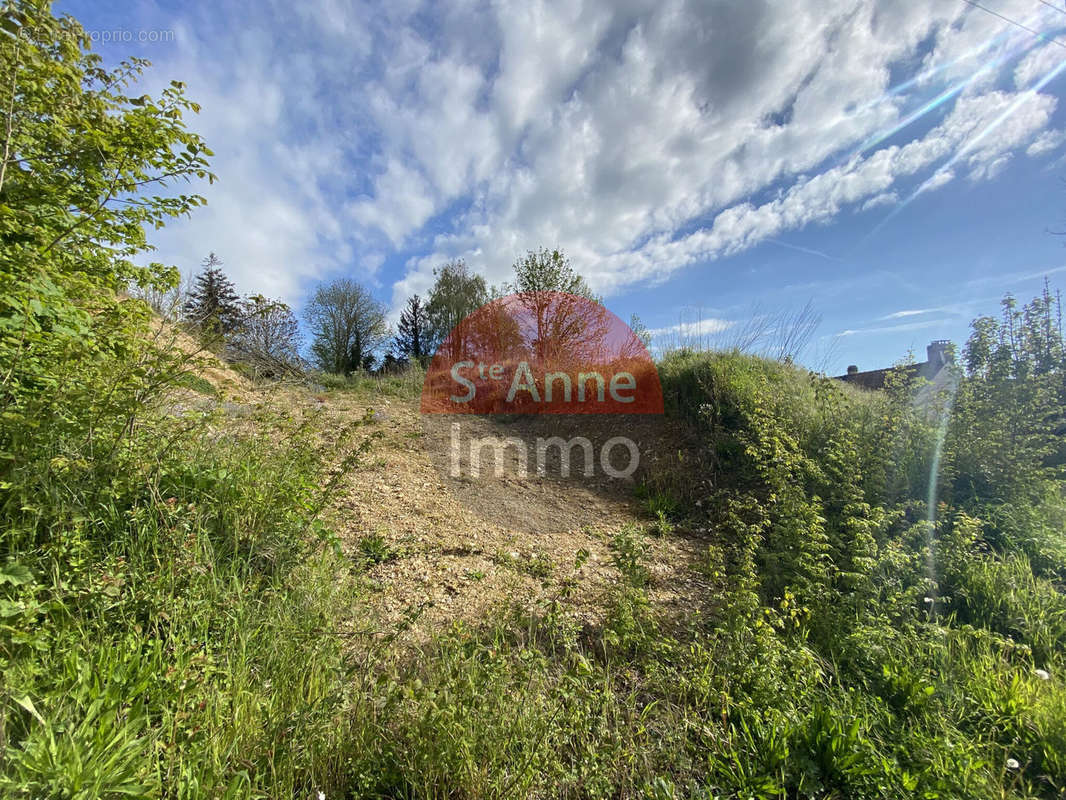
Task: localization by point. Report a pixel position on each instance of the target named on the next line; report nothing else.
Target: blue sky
(897, 163)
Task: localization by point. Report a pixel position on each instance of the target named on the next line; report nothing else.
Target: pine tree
(213, 304)
(412, 333)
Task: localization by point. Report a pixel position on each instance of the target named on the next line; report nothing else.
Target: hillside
(226, 574)
(431, 559)
(297, 597)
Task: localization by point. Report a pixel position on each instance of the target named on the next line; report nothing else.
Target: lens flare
(930, 72)
(943, 417)
(944, 172)
(1020, 46)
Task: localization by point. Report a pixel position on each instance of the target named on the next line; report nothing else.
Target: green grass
(177, 623)
(406, 385)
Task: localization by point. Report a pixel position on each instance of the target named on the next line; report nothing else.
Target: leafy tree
(548, 271)
(83, 162)
(167, 302)
(556, 295)
(640, 330)
(1008, 419)
(456, 294)
(213, 304)
(347, 326)
(268, 338)
(412, 334)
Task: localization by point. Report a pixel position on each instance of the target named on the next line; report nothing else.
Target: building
(939, 354)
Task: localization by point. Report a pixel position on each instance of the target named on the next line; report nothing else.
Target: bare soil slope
(436, 559)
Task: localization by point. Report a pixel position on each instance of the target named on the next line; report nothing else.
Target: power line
(1015, 22)
(1052, 5)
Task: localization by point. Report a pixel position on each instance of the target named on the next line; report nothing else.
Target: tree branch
(10, 115)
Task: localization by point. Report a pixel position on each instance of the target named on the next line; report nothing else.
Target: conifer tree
(412, 332)
(213, 303)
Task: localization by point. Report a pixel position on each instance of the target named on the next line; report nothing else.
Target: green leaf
(25, 702)
(16, 574)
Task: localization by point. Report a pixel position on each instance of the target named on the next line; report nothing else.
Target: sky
(897, 164)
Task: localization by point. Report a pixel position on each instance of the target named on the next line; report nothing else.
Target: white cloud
(639, 136)
(1046, 143)
(909, 313)
(880, 200)
(910, 326)
(699, 328)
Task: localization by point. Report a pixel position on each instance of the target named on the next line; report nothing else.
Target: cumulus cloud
(640, 136)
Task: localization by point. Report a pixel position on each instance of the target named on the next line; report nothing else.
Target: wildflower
(927, 599)
(321, 796)
(1012, 763)
(1043, 674)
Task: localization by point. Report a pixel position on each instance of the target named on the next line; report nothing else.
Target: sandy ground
(447, 549)
(457, 549)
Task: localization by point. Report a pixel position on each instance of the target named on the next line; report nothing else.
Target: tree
(213, 304)
(83, 161)
(268, 338)
(166, 301)
(456, 293)
(640, 330)
(412, 334)
(347, 326)
(1008, 421)
(548, 271)
(390, 364)
(571, 322)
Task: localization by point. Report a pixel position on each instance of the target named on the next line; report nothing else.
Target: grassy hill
(253, 600)
(211, 588)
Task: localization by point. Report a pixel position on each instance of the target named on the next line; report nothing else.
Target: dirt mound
(208, 376)
(433, 558)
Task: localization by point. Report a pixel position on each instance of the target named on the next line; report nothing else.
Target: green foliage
(164, 588)
(80, 153)
(213, 307)
(413, 340)
(375, 549)
(405, 384)
(347, 325)
(176, 621)
(548, 271)
(535, 565)
(456, 293)
(1005, 439)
